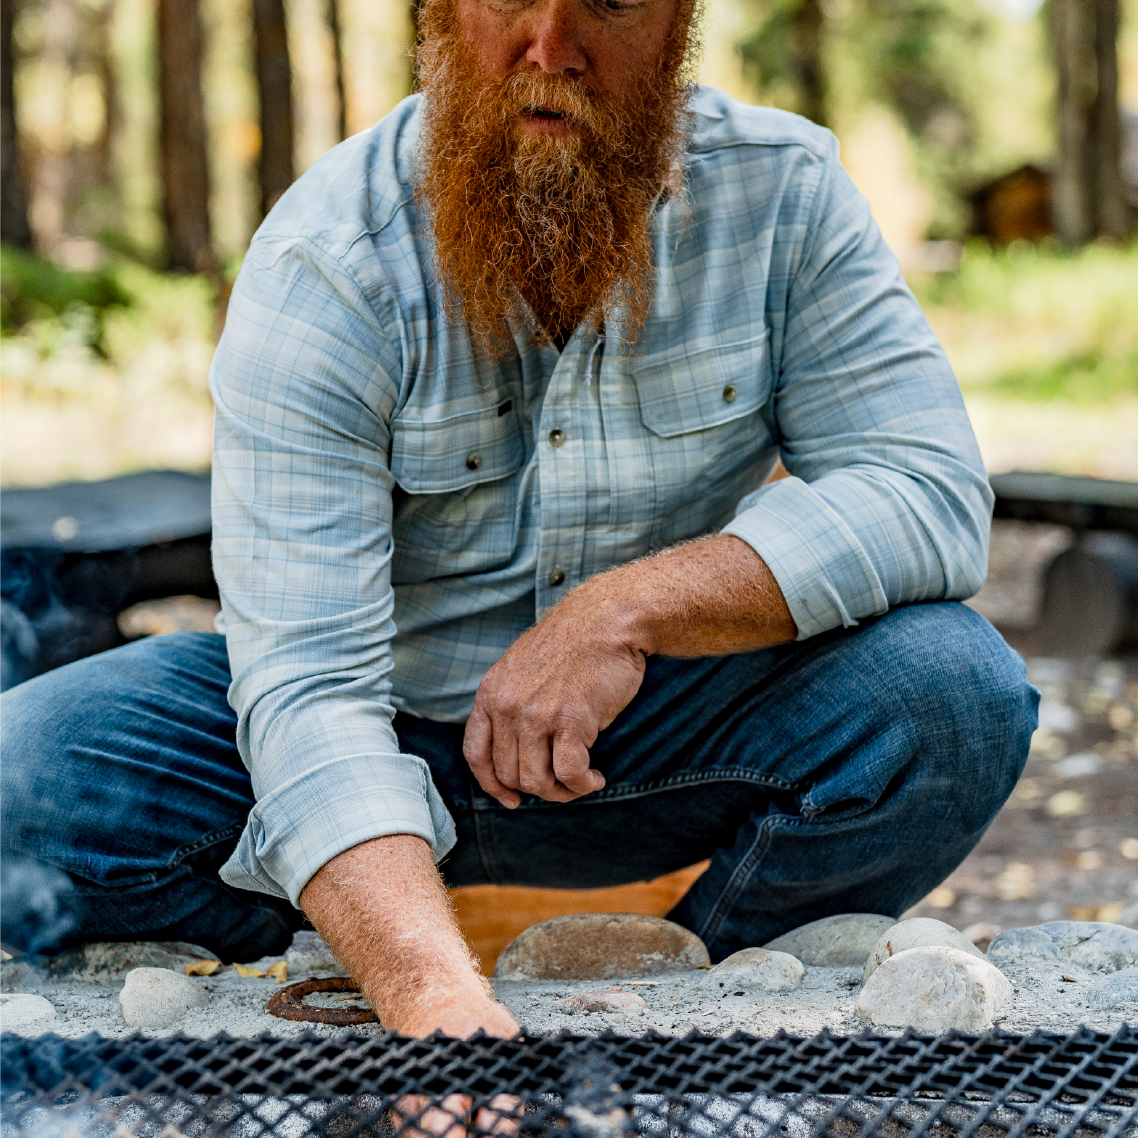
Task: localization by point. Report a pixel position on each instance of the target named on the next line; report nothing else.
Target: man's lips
(545, 112)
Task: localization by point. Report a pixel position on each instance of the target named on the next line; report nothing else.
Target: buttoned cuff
(823, 570)
(304, 823)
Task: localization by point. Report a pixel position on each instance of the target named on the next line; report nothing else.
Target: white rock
(756, 970)
(1079, 766)
(934, 989)
(840, 941)
(1092, 945)
(1111, 992)
(154, 998)
(1058, 717)
(918, 932)
(19, 1009)
(310, 955)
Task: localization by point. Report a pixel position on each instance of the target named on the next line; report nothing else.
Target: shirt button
(473, 461)
(730, 393)
(556, 578)
(556, 437)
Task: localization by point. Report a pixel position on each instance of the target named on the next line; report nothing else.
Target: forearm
(382, 907)
(712, 597)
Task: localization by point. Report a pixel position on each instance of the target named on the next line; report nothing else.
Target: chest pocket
(695, 391)
(457, 453)
(455, 507)
(707, 442)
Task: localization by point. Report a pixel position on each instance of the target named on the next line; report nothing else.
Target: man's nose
(555, 44)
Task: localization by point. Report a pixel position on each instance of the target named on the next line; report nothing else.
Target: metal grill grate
(953, 1086)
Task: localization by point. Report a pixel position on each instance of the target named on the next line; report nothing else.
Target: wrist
(622, 609)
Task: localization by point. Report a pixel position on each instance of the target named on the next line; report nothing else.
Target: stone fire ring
(289, 1003)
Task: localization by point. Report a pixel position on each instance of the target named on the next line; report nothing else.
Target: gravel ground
(677, 1004)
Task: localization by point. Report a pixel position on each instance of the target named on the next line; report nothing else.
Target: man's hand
(540, 708)
(383, 909)
(542, 705)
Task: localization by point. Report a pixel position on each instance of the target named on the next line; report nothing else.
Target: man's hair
(562, 223)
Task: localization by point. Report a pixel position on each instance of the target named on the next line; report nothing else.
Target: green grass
(1040, 324)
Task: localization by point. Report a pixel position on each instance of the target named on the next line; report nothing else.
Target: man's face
(550, 128)
(606, 45)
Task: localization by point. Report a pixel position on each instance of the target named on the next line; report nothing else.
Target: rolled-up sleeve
(304, 381)
(888, 501)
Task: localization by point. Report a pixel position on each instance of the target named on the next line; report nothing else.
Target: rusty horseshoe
(289, 1003)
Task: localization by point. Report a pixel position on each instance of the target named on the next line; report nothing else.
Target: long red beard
(560, 222)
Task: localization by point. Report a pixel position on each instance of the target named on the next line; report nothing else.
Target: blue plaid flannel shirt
(390, 511)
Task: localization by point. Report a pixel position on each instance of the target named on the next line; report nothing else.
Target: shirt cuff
(307, 821)
(823, 570)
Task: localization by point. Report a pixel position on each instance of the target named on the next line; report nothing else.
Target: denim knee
(968, 694)
(29, 724)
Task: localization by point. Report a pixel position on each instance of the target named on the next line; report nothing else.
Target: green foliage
(1040, 324)
(32, 288)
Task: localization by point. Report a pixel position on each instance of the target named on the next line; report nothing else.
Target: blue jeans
(848, 773)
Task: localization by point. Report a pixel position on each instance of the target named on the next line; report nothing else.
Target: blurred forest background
(143, 141)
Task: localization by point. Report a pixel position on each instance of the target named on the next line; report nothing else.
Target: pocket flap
(436, 458)
(685, 391)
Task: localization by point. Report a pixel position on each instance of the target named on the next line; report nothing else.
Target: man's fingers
(477, 748)
(571, 766)
(500, 1117)
(415, 1116)
(535, 767)
(505, 751)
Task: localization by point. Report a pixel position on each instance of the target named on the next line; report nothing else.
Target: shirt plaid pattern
(390, 511)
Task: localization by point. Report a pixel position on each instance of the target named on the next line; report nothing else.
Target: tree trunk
(1087, 192)
(334, 30)
(808, 35)
(184, 153)
(1110, 193)
(274, 83)
(105, 145)
(14, 226)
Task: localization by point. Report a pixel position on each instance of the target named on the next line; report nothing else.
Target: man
(504, 585)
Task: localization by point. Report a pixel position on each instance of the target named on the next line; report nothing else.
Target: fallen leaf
(942, 897)
(1066, 804)
(278, 971)
(249, 970)
(202, 967)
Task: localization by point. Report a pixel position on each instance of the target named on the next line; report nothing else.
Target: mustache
(532, 92)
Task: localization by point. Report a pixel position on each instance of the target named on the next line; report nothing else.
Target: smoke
(35, 904)
(59, 607)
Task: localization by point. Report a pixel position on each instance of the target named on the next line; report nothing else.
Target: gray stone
(309, 955)
(756, 970)
(1113, 991)
(600, 946)
(623, 1003)
(23, 972)
(19, 1009)
(1091, 945)
(156, 998)
(934, 989)
(105, 961)
(840, 941)
(918, 932)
